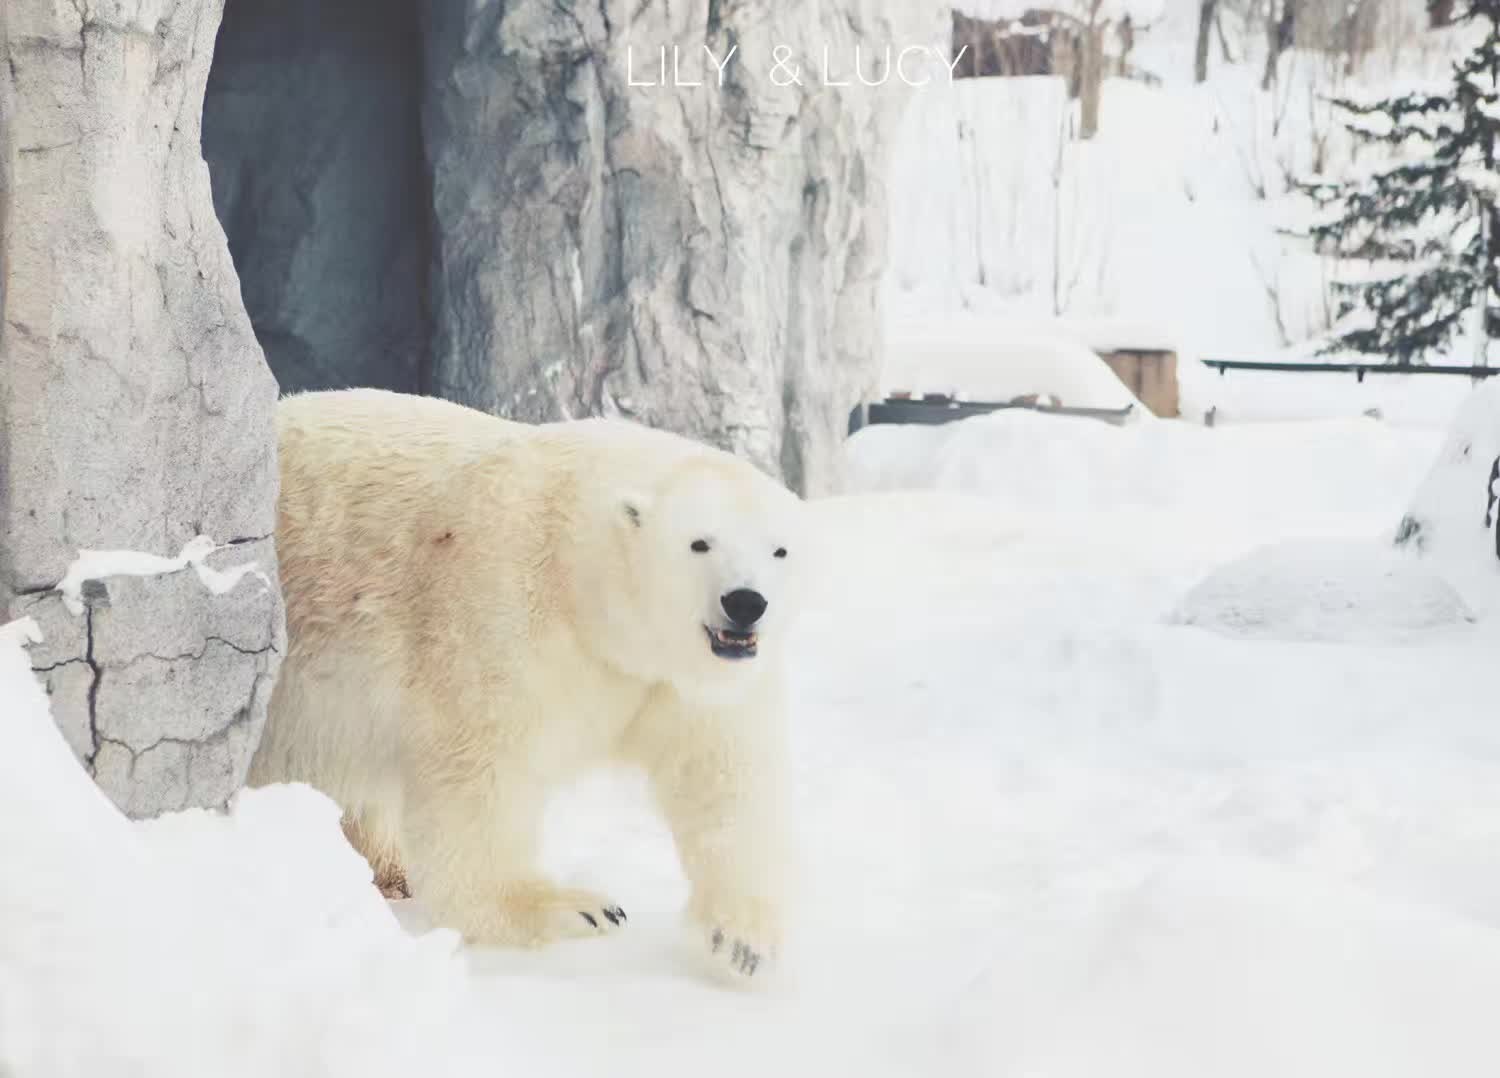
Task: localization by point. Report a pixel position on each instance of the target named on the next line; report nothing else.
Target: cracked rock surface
(704, 259)
(135, 405)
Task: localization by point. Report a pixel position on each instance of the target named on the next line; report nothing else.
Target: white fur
(478, 609)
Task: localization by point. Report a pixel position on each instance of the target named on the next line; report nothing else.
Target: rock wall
(701, 259)
(135, 405)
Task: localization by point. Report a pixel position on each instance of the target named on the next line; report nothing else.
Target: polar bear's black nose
(743, 606)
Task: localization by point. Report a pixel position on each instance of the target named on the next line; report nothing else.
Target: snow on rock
(247, 943)
(159, 677)
(1452, 518)
(1328, 591)
(98, 565)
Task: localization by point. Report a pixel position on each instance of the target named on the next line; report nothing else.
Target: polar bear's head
(722, 548)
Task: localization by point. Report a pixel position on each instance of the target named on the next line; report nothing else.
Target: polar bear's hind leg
(378, 843)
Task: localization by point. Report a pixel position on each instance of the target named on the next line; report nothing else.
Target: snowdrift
(243, 944)
(1325, 591)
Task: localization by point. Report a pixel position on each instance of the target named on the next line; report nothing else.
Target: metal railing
(933, 409)
(1359, 370)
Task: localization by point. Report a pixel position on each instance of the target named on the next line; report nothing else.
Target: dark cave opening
(312, 134)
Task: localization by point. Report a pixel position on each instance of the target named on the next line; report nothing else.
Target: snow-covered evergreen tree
(1427, 225)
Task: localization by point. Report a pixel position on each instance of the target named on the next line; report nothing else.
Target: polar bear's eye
(780, 552)
(700, 546)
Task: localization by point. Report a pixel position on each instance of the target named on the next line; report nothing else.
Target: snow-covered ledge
(135, 404)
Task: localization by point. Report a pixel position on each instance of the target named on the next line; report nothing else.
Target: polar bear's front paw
(535, 913)
(743, 958)
(743, 937)
(572, 914)
(604, 918)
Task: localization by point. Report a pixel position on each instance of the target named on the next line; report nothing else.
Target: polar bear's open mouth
(729, 644)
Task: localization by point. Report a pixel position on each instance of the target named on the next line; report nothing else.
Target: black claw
(752, 964)
(718, 940)
(614, 915)
(589, 917)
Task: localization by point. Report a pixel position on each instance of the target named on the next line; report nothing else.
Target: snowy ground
(1049, 831)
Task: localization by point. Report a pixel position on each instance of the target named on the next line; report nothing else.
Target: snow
(1454, 524)
(201, 943)
(1257, 396)
(1322, 590)
(1046, 829)
(1184, 486)
(979, 357)
(967, 210)
(1156, 220)
(100, 564)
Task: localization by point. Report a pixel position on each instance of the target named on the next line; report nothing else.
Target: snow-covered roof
(982, 357)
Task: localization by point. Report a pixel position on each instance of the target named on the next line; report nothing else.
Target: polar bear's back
(391, 503)
(397, 439)
(376, 427)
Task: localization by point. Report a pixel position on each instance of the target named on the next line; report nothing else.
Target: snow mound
(1451, 519)
(1290, 976)
(986, 357)
(1250, 478)
(1325, 591)
(246, 943)
(1021, 457)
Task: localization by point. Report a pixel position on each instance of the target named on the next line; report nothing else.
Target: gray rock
(545, 240)
(135, 404)
(701, 259)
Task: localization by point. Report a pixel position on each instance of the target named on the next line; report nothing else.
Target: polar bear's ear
(634, 505)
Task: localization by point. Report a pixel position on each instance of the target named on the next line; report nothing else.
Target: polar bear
(479, 609)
